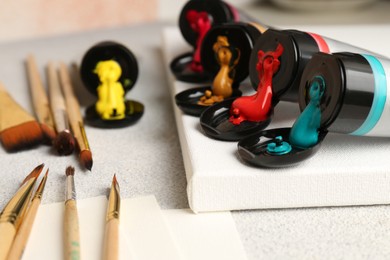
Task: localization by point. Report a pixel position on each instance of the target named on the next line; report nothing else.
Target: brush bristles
(64, 143)
(34, 174)
(115, 182)
(48, 133)
(86, 159)
(69, 171)
(23, 136)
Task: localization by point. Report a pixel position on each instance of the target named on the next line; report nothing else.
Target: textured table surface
(147, 159)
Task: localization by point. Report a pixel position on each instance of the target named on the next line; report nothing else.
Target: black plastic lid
(109, 50)
(241, 36)
(253, 149)
(349, 90)
(298, 49)
(187, 100)
(181, 68)
(218, 11)
(215, 123)
(134, 111)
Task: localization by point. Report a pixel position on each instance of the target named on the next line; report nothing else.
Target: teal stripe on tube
(380, 96)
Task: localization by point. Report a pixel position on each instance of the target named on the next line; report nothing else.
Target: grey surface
(146, 156)
(147, 160)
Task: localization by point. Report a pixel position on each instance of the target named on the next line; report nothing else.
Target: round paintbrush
(64, 142)
(111, 239)
(21, 238)
(13, 212)
(71, 222)
(75, 118)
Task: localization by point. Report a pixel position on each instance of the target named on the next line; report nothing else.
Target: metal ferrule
(39, 192)
(84, 135)
(17, 206)
(114, 202)
(70, 192)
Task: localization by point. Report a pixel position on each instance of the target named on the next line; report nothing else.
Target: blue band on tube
(380, 93)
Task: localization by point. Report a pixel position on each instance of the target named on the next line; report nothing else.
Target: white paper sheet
(46, 238)
(143, 233)
(206, 236)
(148, 236)
(146, 232)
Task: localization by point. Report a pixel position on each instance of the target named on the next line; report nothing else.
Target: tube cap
(215, 123)
(254, 149)
(298, 49)
(218, 11)
(349, 91)
(241, 36)
(109, 50)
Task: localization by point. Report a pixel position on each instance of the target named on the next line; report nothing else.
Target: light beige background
(23, 19)
(28, 18)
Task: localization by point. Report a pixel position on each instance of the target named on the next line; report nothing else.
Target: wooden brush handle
(67, 88)
(7, 234)
(23, 233)
(111, 243)
(57, 102)
(71, 231)
(72, 106)
(38, 93)
(11, 113)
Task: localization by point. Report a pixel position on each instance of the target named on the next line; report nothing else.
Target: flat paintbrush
(40, 100)
(111, 239)
(75, 118)
(64, 142)
(14, 211)
(20, 241)
(71, 222)
(18, 129)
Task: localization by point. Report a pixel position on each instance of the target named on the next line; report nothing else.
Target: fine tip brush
(20, 241)
(71, 222)
(40, 100)
(111, 244)
(18, 129)
(75, 118)
(64, 142)
(14, 211)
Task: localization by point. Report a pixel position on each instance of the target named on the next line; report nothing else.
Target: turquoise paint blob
(304, 132)
(278, 147)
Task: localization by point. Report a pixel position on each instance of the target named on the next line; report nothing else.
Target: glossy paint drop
(200, 23)
(256, 108)
(227, 58)
(304, 133)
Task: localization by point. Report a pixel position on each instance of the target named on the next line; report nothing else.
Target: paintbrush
(23, 233)
(40, 100)
(13, 212)
(18, 129)
(111, 238)
(75, 118)
(71, 222)
(64, 142)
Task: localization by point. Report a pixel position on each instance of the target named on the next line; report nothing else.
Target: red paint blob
(257, 107)
(200, 23)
